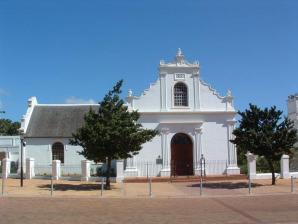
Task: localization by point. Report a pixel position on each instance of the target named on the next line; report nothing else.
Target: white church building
(193, 120)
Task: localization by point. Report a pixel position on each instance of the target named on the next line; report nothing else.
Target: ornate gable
(179, 89)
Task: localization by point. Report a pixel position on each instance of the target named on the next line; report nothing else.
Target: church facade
(193, 119)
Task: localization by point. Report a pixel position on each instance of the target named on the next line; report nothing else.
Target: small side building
(47, 129)
(10, 148)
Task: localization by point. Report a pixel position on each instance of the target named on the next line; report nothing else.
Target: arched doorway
(181, 155)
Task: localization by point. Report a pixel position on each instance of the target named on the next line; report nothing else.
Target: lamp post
(202, 166)
(23, 144)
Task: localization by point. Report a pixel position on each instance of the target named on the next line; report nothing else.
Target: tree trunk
(108, 182)
(272, 172)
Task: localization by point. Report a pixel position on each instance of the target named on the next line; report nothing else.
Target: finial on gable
(129, 93)
(229, 101)
(32, 101)
(179, 52)
(179, 57)
(229, 93)
(179, 61)
(229, 97)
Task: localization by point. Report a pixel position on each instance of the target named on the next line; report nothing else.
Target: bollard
(201, 186)
(101, 187)
(3, 182)
(150, 187)
(201, 182)
(147, 170)
(52, 186)
(292, 184)
(249, 185)
(202, 162)
(123, 188)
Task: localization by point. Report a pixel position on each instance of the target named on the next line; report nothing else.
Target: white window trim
(173, 98)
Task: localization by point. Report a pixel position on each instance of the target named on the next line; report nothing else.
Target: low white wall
(294, 174)
(266, 176)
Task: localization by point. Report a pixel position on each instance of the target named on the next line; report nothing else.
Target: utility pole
(23, 144)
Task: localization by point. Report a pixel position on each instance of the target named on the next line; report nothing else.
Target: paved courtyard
(62, 188)
(81, 202)
(242, 209)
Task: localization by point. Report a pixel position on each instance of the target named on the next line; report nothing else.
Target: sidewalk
(62, 188)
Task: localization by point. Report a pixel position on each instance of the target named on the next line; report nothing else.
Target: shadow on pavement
(226, 185)
(72, 187)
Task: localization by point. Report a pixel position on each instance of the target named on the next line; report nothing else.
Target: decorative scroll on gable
(179, 60)
(149, 100)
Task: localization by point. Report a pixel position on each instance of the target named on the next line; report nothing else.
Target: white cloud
(74, 100)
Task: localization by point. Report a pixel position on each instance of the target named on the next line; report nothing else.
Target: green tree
(112, 132)
(265, 133)
(7, 127)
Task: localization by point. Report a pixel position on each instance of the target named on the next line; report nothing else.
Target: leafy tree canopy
(8, 127)
(112, 132)
(265, 133)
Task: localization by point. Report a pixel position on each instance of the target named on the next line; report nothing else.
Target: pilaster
(284, 167)
(85, 168)
(197, 152)
(5, 168)
(163, 91)
(196, 93)
(56, 169)
(131, 169)
(166, 153)
(251, 165)
(119, 170)
(30, 168)
(232, 168)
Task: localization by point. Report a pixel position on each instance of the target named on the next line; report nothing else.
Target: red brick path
(248, 209)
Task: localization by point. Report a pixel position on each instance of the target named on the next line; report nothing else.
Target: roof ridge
(66, 105)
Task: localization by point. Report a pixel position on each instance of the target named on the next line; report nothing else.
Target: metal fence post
(3, 182)
(249, 184)
(123, 188)
(52, 186)
(292, 184)
(147, 170)
(202, 160)
(101, 187)
(150, 187)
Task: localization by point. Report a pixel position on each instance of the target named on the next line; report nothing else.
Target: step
(184, 178)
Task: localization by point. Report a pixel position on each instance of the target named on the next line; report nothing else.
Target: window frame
(60, 154)
(174, 99)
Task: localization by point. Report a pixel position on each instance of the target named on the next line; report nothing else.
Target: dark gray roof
(56, 120)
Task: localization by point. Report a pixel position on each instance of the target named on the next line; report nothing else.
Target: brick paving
(234, 210)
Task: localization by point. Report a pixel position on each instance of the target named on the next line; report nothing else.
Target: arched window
(180, 94)
(58, 151)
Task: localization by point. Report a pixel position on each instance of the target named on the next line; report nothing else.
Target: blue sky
(76, 50)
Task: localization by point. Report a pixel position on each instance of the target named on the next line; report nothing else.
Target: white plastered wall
(214, 138)
(41, 150)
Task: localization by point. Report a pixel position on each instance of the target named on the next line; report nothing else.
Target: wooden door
(181, 155)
